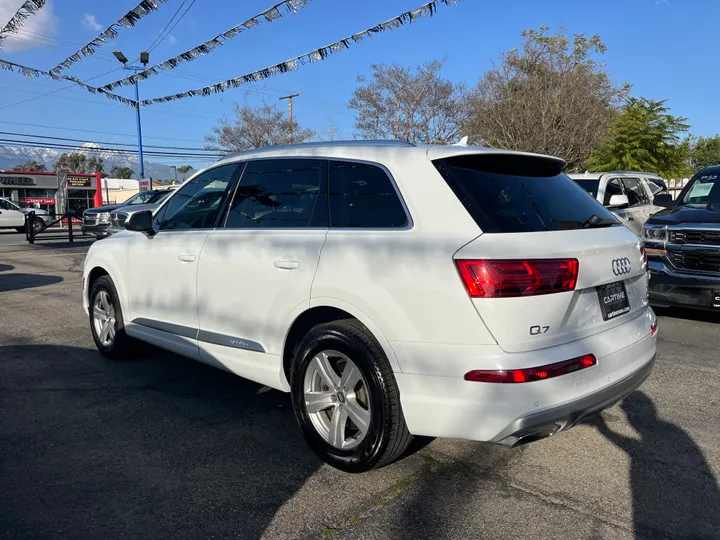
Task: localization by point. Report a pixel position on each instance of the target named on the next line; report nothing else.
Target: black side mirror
(141, 222)
(663, 199)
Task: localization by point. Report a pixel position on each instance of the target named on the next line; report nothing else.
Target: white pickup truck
(12, 216)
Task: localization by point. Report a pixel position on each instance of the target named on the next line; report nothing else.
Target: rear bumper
(564, 417)
(437, 405)
(669, 287)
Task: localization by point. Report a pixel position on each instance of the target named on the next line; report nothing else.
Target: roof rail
(320, 144)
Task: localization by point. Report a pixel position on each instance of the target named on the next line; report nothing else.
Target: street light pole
(144, 59)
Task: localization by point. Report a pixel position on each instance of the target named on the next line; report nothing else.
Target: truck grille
(118, 220)
(706, 238)
(89, 220)
(698, 262)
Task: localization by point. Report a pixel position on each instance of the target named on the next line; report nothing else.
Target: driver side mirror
(663, 199)
(619, 201)
(141, 222)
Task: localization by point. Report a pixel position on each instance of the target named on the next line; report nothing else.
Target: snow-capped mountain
(10, 156)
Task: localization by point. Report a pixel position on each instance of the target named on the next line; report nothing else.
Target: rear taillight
(653, 328)
(507, 278)
(532, 374)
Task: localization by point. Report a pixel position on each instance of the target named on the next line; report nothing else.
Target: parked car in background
(12, 216)
(121, 215)
(331, 271)
(627, 194)
(683, 245)
(96, 221)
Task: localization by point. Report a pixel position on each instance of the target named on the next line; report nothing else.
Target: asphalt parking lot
(162, 447)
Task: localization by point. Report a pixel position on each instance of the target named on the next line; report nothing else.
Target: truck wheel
(106, 320)
(345, 398)
(38, 225)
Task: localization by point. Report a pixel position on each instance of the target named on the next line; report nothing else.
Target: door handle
(287, 265)
(186, 257)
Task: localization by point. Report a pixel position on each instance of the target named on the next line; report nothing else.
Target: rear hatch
(552, 265)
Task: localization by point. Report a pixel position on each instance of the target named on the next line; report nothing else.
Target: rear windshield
(513, 194)
(591, 186)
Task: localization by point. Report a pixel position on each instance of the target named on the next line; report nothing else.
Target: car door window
(280, 193)
(197, 204)
(613, 187)
(4, 205)
(637, 196)
(363, 195)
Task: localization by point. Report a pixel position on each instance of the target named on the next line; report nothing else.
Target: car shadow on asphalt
(674, 491)
(14, 282)
(154, 447)
(6, 267)
(698, 315)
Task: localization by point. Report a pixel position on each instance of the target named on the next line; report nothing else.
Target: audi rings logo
(621, 266)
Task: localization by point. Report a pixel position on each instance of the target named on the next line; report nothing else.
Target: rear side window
(514, 194)
(591, 186)
(280, 193)
(362, 195)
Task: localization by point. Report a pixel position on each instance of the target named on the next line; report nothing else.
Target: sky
(666, 49)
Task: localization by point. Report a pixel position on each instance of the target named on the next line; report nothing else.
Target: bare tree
(418, 105)
(549, 96)
(256, 128)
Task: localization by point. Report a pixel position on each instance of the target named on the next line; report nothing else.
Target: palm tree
(182, 169)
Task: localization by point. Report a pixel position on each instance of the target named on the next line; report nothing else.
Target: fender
(107, 260)
(363, 318)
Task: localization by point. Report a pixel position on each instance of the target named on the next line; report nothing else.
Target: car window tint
(362, 195)
(635, 192)
(6, 205)
(516, 194)
(613, 187)
(196, 204)
(591, 186)
(280, 193)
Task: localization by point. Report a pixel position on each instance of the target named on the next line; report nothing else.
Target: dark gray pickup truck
(683, 245)
(96, 221)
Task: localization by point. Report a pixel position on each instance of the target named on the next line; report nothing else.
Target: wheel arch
(328, 310)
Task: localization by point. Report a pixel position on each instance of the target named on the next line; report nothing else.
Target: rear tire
(38, 225)
(351, 416)
(106, 320)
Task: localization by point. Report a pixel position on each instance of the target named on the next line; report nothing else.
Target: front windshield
(704, 191)
(144, 197)
(591, 186)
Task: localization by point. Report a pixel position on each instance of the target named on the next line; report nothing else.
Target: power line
(150, 48)
(102, 142)
(59, 146)
(174, 25)
(63, 128)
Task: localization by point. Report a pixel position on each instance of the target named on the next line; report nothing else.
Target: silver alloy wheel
(104, 318)
(337, 399)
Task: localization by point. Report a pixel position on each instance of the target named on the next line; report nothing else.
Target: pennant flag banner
(269, 15)
(13, 25)
(408, 17)
(128, 21)
(30, 72)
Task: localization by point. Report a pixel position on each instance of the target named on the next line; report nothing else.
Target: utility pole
(290, 98)
(175, 169)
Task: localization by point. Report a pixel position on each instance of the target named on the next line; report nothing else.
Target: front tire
(106, 320)
(345, 398)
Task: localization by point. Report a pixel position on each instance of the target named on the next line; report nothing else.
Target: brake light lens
(653, 328)
(508, 278)
(532, 374)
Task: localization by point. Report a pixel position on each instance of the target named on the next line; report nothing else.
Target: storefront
(56, 192)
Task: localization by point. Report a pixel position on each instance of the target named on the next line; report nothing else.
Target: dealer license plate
(613, 300)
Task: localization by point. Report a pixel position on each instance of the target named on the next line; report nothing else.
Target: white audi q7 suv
(393, 289)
